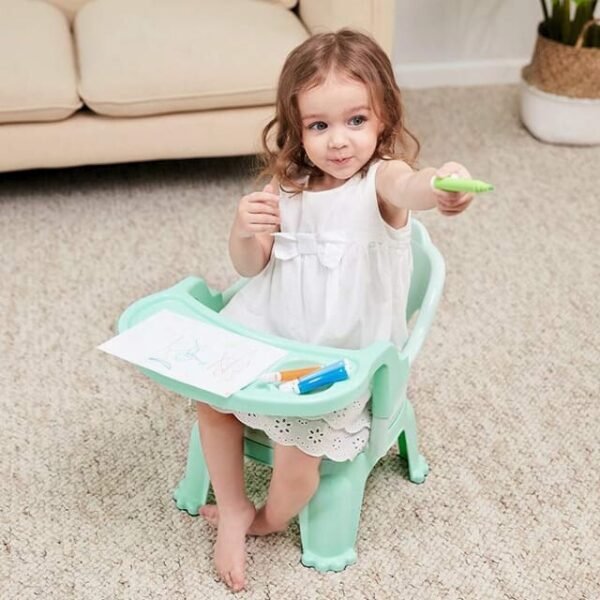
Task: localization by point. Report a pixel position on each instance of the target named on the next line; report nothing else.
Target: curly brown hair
(357, 56)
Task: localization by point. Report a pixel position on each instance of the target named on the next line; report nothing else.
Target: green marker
(455, 184)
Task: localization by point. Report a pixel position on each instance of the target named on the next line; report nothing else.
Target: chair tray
(191, 297)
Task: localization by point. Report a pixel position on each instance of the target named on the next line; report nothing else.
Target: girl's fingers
(457, 206)
(464, 201)
(259, 207)
(449, 199)
(453, 168)
(263, 228)
(262, 196)
(262, 209)
(263, 219)
(452, 199)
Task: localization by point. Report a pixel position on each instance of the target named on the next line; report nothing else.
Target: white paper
(187, 350)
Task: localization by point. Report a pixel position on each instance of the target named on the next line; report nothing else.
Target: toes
(227, 579)
(233, 581)
(210, 512)
(238, 582)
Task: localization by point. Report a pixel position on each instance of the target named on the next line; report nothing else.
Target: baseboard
(465, 73)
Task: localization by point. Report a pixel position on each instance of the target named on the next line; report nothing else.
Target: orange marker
(289, 375)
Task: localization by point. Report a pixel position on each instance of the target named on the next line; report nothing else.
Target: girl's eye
(357, 120)
(318, 126)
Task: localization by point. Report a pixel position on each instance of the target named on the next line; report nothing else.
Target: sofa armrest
(375, 17)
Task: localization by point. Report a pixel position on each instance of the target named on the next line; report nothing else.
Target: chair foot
(408, 447)
(329, 523)
(418, 469)
(325, 564)
(187, 498)
(192, 491)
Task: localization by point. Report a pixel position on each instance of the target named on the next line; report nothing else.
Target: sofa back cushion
(71, 7)
(38, 80)
(142, 57)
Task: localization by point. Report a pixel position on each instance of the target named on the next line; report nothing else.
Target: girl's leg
(222, 441)
(294, 481)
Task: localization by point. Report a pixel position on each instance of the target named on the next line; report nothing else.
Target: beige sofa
(103, 81)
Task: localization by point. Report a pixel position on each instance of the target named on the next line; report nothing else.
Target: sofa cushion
(38, 80)
(70, 7)
(287, 3)
(144, 57)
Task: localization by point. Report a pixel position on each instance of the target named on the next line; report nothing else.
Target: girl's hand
(257, 212)
(453, 203)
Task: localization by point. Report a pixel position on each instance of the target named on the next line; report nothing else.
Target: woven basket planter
(571, 71)
(560, 93)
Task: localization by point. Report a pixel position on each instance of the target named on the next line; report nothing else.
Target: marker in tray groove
(337, 371)
(288, 374)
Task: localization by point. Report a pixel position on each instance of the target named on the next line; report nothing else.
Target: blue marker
(337, 371)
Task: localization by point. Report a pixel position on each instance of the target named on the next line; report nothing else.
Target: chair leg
(408, 447)
(329, 523)
(192, 490)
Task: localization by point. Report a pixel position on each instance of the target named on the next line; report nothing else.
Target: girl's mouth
(340, 161)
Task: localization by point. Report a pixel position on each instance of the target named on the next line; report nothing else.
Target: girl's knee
(207, 412)
(293, 463)
(204, 409)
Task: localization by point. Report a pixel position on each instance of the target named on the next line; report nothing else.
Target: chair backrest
(425, 256)
(420, 277)
(427, 282)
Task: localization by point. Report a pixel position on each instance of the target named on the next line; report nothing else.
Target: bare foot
(260, 525)
(230, 548)
(210, 512)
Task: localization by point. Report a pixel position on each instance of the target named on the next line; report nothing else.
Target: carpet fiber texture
(505, 390)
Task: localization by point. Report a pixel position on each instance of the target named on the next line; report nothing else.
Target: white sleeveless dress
(338, 276)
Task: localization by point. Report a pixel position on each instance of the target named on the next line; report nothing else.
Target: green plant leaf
(559, 26)
(565, 25)
(593, 36)
(555, 20)
(582, 16)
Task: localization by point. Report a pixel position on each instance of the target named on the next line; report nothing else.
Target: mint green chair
(329, 523)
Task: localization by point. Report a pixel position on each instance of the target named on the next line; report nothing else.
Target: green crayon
(454, 184)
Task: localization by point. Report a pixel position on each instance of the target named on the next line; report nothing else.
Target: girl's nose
(337, 140)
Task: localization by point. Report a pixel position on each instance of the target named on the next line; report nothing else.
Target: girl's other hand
(257, 212)
(453, 203)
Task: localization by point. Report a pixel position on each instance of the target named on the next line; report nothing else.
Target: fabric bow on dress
(328, 248)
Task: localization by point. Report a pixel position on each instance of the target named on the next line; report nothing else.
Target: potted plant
(560, 91)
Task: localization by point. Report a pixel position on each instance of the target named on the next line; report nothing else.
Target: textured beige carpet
(505, 390)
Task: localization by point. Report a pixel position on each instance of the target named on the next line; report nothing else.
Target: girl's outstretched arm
(250, 239)
(400, 186)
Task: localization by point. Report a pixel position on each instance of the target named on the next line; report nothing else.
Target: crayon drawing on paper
(193, 352)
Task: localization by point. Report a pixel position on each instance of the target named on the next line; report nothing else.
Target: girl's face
(339, 127)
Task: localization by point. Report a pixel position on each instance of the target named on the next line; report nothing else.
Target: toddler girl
(327, 245)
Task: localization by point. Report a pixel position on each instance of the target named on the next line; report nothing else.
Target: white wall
(463, 42)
